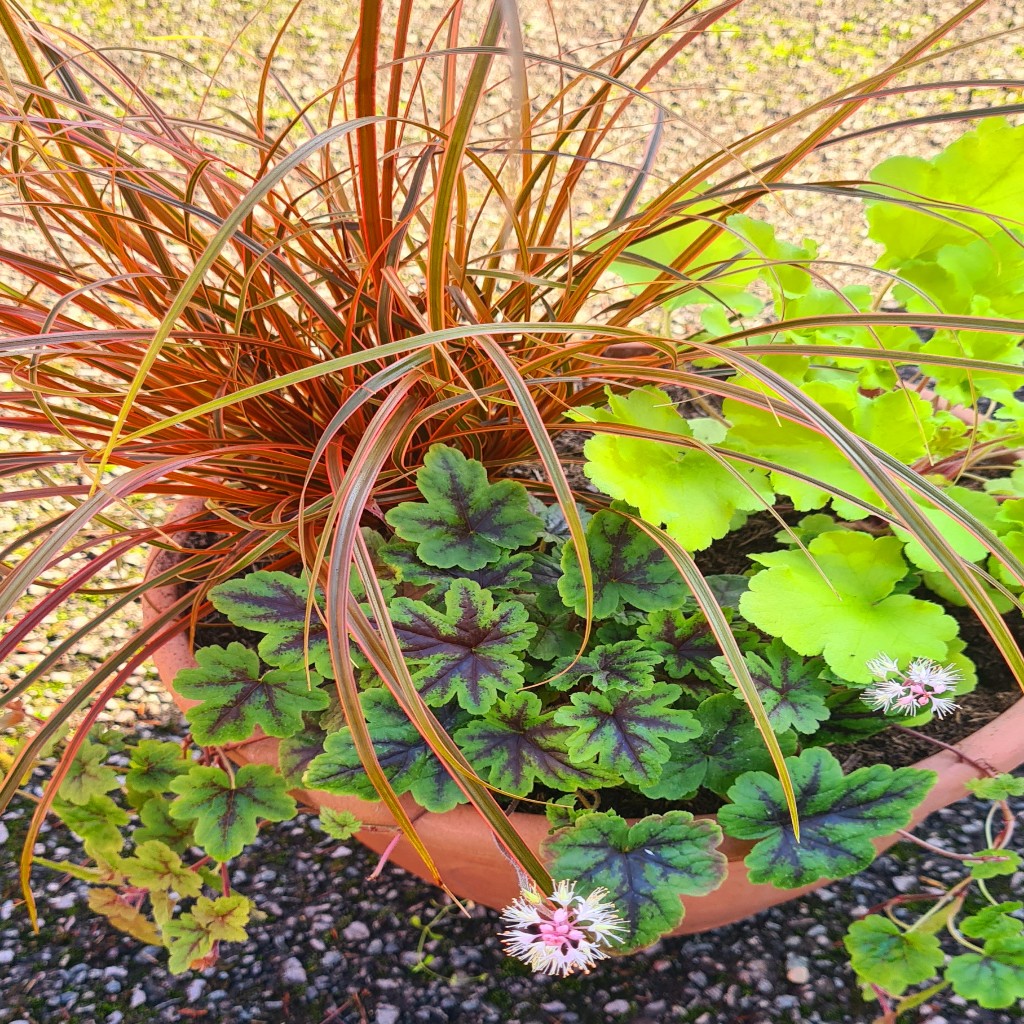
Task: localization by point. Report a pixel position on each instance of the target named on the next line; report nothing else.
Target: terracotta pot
(468, 859)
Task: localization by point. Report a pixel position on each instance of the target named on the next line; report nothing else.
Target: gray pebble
(356, 932)
(195, 989)
(115, 1018)
(138, 998)
(388, 1014)
(292, 972)
(617, 1007)
(6, 956)
(330, 958)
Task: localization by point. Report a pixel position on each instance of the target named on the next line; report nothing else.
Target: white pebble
(195, 989)
(138, 998)
(356, 932)
(617, 1007)
(6, 956)
(292, 972)
(388, 1014)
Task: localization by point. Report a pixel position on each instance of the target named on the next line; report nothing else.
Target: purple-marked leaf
(465, 521)
(729, 745)
(628, 567)
(274, 603)
(849, 719)
(556, 530)
(839, 816)
(155, 815)
(628, 732)
(191, 936)
(546, 569)
(468, 651)
(506, 573)
(555, 636)
(226, 811)
(645, 868)
(518, 746)
(296, 753)
(685, 642)
(793, 690)
(236, 697)
(154, 763)
(624, 663)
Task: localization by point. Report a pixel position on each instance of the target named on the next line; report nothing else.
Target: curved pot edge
(469, 861)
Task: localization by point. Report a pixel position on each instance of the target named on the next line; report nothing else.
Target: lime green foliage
(999, 788)
(645, 867)
(191, 936)
(227, 810)
(97, 822)
(235, 696)
(339, 824)
(154, 765)
(89, 777)
(994, 921)
(840, 602)
(693, 492)
(993, 863)
(155, 865)
(993, 979)
(839, 816)
(895, 958)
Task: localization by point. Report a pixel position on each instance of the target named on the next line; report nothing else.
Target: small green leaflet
(154, 763)
(627, 731)
(226, 811)
(465, 520)
(695, 494)
(155, 815)
(517, 745)
(993, 979)
(236, 697)
(646, 867)
(996, 862)
(469, 651)
(97, 823)
(628, 568)
(623, 663)
(891, 957)
(88, 776)
(843, 605)
(792, 689)
(339, 824)
(1002, 787)
(839, 816)
(994, 922)
(191, 936)
(274, 603)
(156, 866)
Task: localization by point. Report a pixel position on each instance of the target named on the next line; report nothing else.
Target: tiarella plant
(345, 332)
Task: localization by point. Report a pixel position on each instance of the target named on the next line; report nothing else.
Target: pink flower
(912, 691)
(561, 933)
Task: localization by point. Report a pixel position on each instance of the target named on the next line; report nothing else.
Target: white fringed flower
(917, 689)
(561, 933)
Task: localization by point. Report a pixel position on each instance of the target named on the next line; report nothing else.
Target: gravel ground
(336, 948)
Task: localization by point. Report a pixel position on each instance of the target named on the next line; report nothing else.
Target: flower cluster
(918, 688)
(561, 933)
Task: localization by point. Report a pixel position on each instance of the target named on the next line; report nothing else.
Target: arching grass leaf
(225, 810)
(236, 697)
(839, 816)
(629, 569)
(469, 651)
(884, 954)
(518, 745)
(645, 867)
(465, 521)
(627, 731)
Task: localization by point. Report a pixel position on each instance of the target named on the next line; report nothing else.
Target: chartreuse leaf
(884, 954)
(1003, 862)
(629, 569)
(645, 867)
(236, 696)
(123, 915)
(793, 690)
(517, 745)
(191, 936)
(155, 815)
(154, 764)
(274, 603)
(97, 822)
(156, 866)
(624, 663)
(226, 810)
(839, 816)
(627, 730)
(469, 651)
(406, 760)
(695, 494)
(339, 824)
(1002, 787)
(843, 605)
(993, 979)
(88, 776)
(981, 169)
(465, 520)
(994, 922)
(728, 745)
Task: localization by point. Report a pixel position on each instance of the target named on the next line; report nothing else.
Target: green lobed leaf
(469, 651)
(190, 937)
(994, 922)
(1006, 862)
(339, 824)
(839, 816)
(89, 776)
(645, 867)
(843, 606)
(155, 865)
(793, 690)
(236, 697)
(465, 521)
(225, 810)
(517, 745)
(158, 825)
(274, 603)
(628, 566)
(891, 957)
(1002, 787)
(97, 822)
(624, 663)
(627, 730)
(993, 979)
(154, 764)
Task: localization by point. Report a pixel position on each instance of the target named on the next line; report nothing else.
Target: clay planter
(466, 856)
